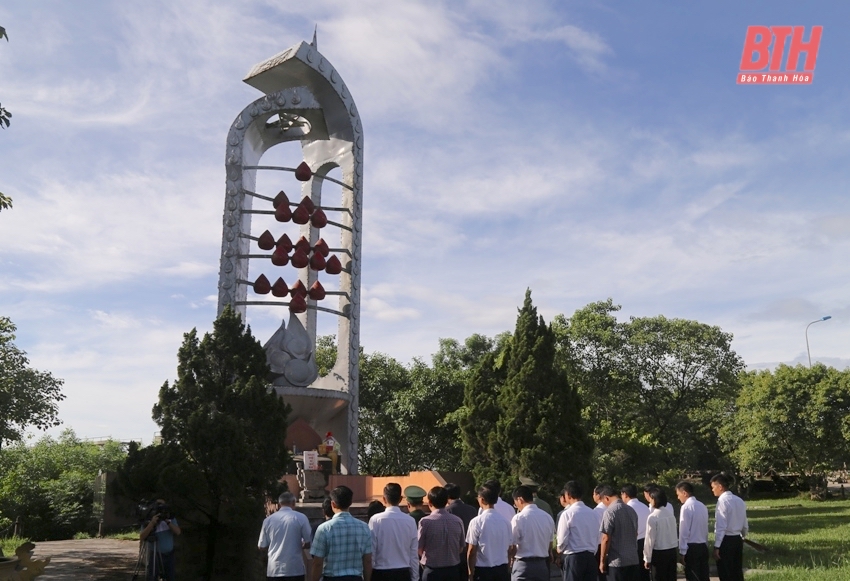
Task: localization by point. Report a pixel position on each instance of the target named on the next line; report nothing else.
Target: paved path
(88, 560)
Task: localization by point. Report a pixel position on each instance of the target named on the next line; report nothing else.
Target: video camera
(148, 510)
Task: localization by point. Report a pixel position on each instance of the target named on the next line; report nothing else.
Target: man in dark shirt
(617, 556)
(441, 539)
(415, 508)
(465, 513)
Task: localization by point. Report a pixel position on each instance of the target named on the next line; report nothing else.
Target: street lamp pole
(809, 353)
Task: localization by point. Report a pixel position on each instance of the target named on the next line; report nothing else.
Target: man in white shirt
(532, 531)
(394, 544)
(502, 507)
(488, 540)
(577, 535)
(599, 512)
(283, 537)
(628, 494)
(693, 533)
(730, 528)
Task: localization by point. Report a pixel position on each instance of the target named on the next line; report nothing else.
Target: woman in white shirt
(662, 540)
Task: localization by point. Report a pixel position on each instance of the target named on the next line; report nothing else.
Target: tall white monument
(306, 101)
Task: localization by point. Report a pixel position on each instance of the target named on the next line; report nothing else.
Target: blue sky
(583, 149)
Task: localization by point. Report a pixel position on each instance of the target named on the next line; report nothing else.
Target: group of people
(621, 539)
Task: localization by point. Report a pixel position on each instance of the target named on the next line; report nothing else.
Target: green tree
(228, 424)
(656, 390)
(325, 353)
(792, 419)
(50, 485)
(538, 431)
(5, 116)
(410, 414)
(28, 397)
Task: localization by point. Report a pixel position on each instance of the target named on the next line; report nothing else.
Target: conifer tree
(227, 423)
(537, 430)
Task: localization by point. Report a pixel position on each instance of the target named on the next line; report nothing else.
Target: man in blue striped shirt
(342, 546)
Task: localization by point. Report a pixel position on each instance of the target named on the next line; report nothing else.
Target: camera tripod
(149, 556)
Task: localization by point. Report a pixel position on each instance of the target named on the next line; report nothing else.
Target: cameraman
(164, 526)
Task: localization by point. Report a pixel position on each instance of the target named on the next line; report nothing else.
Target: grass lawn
(808, 540)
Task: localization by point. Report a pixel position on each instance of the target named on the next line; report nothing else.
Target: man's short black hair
(392, 492)
(342, 497)
(523, 492)
(629, 490)
(572, 489)
(606, 490)
(648, 488)
(495, 485)
(723, 480)
(375, 507)
(453, 490)
(488, 495)
(437, 497)
(598, 490)
(327, 509)
(686, 487)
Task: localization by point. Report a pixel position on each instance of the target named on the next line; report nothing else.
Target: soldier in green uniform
(541, 504)
(415, 508)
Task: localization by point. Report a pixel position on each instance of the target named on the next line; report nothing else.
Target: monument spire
(315, 43)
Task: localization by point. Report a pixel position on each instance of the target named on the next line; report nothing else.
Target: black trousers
(599, 576)
(498, 573)
(391, 574)
(643, 574)
(630, 573)
(441, 573)
(581, 567)
(696, 562)
(730, 566)
(291, 578)
(664, 564)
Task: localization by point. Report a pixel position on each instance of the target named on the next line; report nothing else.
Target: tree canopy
(50, 485)
(791, 420)
(29, 398)
(223, 430)
(529, 419)
(655, 389)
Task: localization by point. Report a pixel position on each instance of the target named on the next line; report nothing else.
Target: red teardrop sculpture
(308, 203)
(262, 285)
(302, 245)
(317, 291)
(322, 246)
(284, 244)
(300, 215)
(282, 213)
(279, 288)
(279, 199)
(298, 289)
(300, 259)
(298, 304)
(319, 219)
(280, 257)
(266, 241)
(317, 261)
(303, 172)
(333, 266)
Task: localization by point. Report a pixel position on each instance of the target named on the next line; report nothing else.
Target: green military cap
(415, 493)
(525, 481)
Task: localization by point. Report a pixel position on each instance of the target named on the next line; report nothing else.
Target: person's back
(441, 539)
(283, 536)
(342, 546)
(394, 541)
